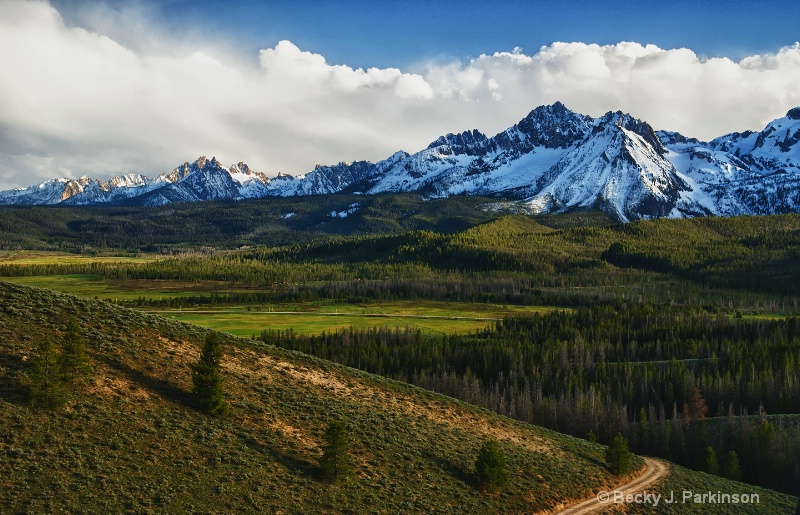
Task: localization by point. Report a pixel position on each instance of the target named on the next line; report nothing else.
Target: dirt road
(654, 470)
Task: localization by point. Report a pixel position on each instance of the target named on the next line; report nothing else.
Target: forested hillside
(228, 224)
(745, 263)
(675, 381)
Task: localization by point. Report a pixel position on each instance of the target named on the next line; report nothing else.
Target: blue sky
(364, 33)
(111, 87)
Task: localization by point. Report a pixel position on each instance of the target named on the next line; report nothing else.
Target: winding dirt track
(654, 471)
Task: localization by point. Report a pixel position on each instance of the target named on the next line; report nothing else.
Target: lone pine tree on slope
(336, 464)
(490, 466)
(55, 370)
(73, 363)
(47, 386)
(618, 457)
(207, 378)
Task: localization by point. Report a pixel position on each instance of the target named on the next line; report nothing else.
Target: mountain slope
(554, 159)
(132, 439)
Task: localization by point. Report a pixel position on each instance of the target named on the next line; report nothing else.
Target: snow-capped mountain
(83, 191)
(552, 160)
(619, 168)
(509, 164)
(740, 173)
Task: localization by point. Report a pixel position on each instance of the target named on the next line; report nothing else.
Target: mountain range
(553, 160)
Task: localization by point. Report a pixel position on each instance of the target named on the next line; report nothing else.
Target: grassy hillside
(130, 438)
(759, 500)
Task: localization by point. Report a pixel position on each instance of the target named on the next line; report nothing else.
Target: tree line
(674, 381)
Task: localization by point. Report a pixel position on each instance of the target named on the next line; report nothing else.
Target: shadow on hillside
(590, 458)
(12, 388)
(293, 464)
(452, 469)
(161, 387)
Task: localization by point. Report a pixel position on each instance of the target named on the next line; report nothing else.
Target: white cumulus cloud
(77, 101)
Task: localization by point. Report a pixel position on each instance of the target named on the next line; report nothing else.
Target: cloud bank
(74, 101)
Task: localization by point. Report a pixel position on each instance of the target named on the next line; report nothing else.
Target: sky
(104, 88)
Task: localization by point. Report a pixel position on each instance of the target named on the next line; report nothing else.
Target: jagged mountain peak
(618, 168)
(203, 162)
(777, 142)
(628, 122)
(554, 110)
(241, 167)
(676, 138)
(552, 126)
(463, 143)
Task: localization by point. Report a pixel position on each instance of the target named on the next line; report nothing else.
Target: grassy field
(314, 318)
(85, 285)
(306, 318)
(248, 323)
(34, 257)
(129, 439)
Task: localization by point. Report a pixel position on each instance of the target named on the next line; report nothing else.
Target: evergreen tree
(47, 386)
(766, 435)
(490, 466)
(711, 462)
(73, 363)
(207, 378)
(641, 431)
(618, 457)
(733, 470)
(335, 464)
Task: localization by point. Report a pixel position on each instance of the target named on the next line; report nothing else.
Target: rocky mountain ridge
(553, 160)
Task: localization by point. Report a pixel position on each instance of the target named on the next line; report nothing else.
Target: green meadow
(87, 285)
(303, 318)
(315, 318)
(34, 257)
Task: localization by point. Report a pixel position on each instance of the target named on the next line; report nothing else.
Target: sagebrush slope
(132, 440)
